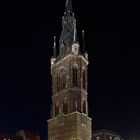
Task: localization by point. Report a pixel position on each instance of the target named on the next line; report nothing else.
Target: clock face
(75, 48)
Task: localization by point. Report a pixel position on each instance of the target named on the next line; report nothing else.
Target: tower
(69, 111)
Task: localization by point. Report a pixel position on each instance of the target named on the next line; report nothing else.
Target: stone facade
(73, 95)
(72, 123)
(72, 126)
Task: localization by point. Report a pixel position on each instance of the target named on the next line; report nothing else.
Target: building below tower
(21, 135)
(105, 135)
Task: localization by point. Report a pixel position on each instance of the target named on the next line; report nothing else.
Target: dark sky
(26, 40)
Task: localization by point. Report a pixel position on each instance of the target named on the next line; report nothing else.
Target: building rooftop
(20, 135)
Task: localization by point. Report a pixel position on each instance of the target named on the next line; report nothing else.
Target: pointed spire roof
(54, 47)
(69, 33)
(68, 6)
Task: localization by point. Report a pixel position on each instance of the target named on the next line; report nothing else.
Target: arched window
(61, 80)
(58, 82)
(84, 106)
(84, 79)
(75, 76)
(65, 106)
(56, 109)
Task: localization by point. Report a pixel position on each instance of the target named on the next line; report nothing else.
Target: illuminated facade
(69, 112)
(106, 135)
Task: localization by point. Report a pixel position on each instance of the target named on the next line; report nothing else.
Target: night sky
(26, 41)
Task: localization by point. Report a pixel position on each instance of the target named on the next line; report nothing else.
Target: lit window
(61, 80)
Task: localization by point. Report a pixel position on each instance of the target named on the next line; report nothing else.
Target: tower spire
(68, 9)
(69, 33)
(69, 69)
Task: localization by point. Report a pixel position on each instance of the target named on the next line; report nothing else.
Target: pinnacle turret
(54, 47)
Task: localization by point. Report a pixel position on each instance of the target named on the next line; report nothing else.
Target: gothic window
(56, 109)
(84, 79)
(84, 106)
(58, 82)
(75, 76)
(61, 80)
(65, 106)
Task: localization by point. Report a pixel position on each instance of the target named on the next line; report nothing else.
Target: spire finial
(83, 38)
(54, 47)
